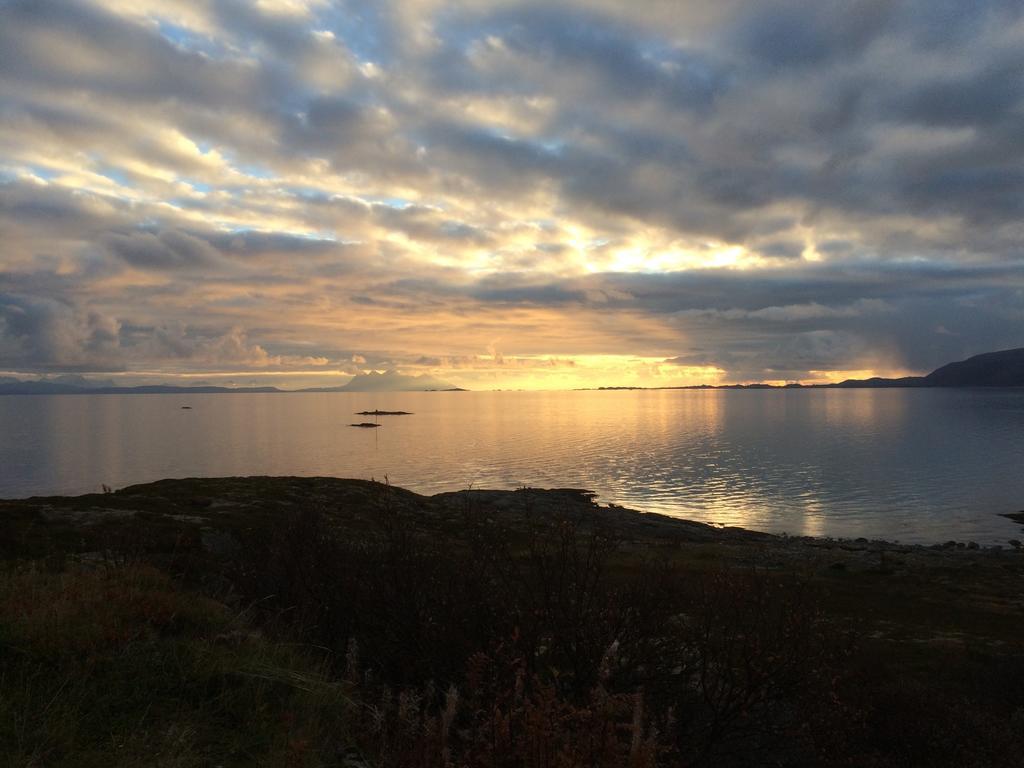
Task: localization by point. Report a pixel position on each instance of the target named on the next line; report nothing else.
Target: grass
(339, 623)
(118, 667)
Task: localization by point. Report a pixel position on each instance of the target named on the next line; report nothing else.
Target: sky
(507, 194)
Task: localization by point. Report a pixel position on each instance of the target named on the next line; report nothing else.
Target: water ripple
(921, 465)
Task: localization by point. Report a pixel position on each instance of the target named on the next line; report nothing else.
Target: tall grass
(533, 639)
(546, 643)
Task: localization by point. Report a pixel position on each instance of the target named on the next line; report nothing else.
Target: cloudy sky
(509, 194)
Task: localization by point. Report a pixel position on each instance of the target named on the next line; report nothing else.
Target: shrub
(572, 630)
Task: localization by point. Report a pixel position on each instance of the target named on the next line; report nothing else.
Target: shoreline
(268, 390)
(219, 516)
(578, 496)
(257, 587)
(580, 501)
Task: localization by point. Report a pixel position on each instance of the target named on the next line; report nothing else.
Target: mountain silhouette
(389, 381)
(991, 369)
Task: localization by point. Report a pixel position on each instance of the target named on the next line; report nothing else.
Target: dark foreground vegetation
(319, 622)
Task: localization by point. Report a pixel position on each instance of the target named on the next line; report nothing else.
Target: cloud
(38, 333)
(765, 189)
(170, 249)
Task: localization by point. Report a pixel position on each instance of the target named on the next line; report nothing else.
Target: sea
(917, 466)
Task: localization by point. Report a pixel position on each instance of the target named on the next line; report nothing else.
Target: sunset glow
(504, 195)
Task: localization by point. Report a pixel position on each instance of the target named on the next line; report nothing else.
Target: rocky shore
(981, 589)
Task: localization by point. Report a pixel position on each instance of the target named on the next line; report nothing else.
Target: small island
(383, 413)
(365, 425)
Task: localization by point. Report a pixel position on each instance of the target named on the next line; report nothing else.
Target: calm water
(924, 465)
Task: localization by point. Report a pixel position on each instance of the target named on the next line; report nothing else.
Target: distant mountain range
(389, 381)
(991, 369)
(48, 387)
